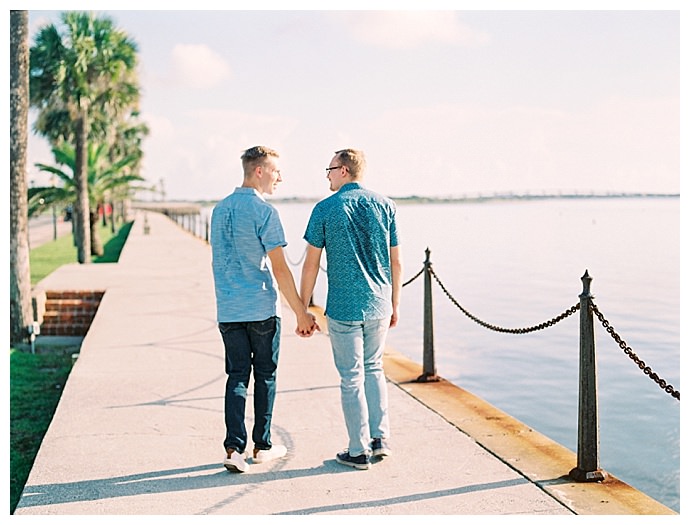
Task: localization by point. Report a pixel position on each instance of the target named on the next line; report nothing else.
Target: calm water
(516, 264)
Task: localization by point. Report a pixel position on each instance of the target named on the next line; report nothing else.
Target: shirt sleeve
(315, 233)
(393, 227)
(271, 231)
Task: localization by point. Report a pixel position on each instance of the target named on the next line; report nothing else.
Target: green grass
(48, 257)
(37, 380)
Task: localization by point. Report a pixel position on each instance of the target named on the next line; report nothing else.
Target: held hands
(306, 325)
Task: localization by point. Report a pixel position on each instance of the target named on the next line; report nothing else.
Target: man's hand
(306, 325)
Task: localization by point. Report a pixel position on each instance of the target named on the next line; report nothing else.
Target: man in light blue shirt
(246, 233)
(358, 230)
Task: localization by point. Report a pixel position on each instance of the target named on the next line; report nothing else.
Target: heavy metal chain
(627, 350)
(287, 256)
(420, 272)
(541, 326)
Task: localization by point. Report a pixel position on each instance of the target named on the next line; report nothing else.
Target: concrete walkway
(139, 427)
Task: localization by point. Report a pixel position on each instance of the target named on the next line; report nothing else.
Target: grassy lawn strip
(48, 257)
(37, 380)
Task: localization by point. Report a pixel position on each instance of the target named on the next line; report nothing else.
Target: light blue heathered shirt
(356, 227)
(244, 228)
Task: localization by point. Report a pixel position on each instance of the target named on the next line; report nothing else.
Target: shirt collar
(350, 186)
(246, 191)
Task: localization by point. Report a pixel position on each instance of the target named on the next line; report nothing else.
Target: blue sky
(444, 103)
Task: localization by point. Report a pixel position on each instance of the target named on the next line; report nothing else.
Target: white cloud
(198, 66)
(207, 165)
(406, 29)
(621, 145)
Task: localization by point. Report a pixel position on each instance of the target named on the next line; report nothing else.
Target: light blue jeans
(358, 355)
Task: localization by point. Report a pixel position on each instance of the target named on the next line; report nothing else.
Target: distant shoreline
(511, 197)
(416, 199)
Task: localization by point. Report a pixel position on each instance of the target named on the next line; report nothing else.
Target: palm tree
(79, 81)
(104, 178)
(20, 272)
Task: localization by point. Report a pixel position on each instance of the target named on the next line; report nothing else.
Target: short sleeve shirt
(244, 228)
(356, 227)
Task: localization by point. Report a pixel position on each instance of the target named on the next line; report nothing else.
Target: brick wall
(69, 313)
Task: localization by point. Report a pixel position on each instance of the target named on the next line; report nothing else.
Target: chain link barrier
(413, 278)
(663, 384)
(287, 256)
(570, 311)
(628, 351)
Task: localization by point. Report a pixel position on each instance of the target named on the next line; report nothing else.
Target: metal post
(588, 418)
(52, 183)
(429, 366)
(54, 223)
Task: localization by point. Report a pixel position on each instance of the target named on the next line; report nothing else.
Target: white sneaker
(235, 462)
(275, 452)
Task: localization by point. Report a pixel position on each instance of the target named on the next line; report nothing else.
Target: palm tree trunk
(21, 314)
(96, 243)
(112, 217)
(81, 205)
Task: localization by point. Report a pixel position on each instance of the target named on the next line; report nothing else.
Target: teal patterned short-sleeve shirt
(356, 228)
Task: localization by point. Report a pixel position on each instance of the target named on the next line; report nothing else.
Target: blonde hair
(256, 156)
(354, 160)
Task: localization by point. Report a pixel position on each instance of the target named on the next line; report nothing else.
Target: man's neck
(253, 184)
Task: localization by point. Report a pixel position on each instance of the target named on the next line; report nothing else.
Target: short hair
(256, 156)
(354, 160)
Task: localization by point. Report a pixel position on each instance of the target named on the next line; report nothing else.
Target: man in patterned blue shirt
(357, 229)
(246, 233)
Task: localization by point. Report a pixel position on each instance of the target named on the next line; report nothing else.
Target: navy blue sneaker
(360, 462)
(379, 448)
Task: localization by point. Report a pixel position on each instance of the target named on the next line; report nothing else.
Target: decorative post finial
(586, 283)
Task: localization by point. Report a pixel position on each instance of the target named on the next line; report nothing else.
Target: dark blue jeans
(251, 346)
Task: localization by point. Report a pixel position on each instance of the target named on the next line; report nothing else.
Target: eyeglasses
(328, 170)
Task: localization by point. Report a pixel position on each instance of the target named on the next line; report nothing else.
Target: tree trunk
(21, 314)
(96, 242)
(113, 229)
(81, 204)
